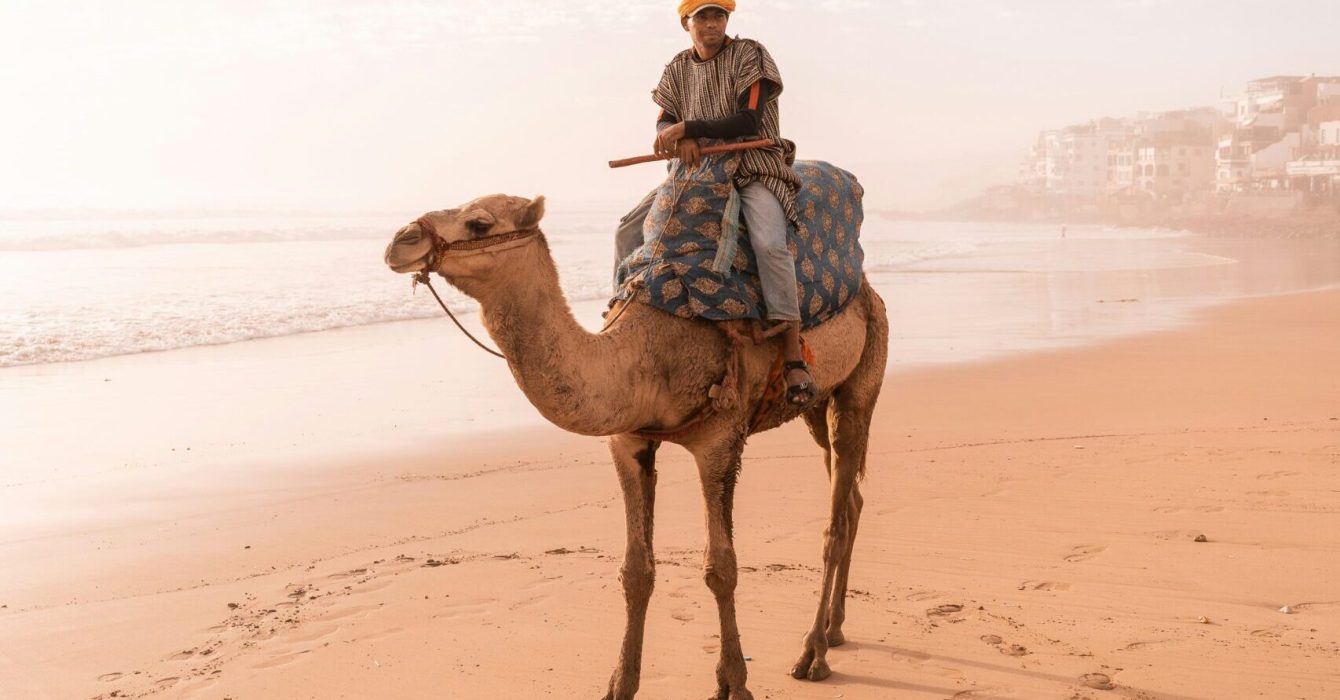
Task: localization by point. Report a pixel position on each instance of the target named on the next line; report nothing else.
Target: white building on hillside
(1074, 161)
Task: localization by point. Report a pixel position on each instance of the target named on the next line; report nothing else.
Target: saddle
(696, 261)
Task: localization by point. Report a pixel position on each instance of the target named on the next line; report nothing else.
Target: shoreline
(1321, 224)
(1053, 495)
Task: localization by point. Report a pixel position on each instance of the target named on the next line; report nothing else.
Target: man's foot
(800, 389)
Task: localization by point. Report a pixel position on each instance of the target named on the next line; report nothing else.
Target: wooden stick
(726, 148)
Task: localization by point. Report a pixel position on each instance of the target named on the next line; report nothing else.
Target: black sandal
(803, 394)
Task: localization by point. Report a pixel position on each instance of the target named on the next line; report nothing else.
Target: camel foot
(728, 694)
(836, 638)
(809, 667)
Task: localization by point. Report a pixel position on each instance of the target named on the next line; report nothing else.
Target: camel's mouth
(414, 266)
(409, 250)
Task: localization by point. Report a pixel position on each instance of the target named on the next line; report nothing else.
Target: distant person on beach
(724, 88)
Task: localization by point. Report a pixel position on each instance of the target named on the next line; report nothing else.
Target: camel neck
(574, 377)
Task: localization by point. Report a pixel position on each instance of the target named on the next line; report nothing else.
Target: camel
(643, 378)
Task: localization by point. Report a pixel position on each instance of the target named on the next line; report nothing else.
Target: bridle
(443, 249)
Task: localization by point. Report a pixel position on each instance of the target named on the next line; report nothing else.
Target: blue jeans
(767, 225)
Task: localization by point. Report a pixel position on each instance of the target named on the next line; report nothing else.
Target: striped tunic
(692, 89)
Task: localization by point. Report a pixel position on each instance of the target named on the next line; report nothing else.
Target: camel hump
(692, 267)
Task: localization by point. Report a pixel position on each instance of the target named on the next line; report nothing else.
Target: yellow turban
(687, 8)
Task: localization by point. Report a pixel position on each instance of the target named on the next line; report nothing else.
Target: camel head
(450, 241)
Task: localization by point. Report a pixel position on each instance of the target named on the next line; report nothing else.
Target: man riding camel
(724, 88)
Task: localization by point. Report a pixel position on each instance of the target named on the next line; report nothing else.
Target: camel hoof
(836, 638)
(728, 694)
(802, 668)
(810, 668)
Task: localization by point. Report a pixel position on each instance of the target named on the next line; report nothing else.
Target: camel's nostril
(410, 234)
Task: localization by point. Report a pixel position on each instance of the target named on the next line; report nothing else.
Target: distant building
(1273, 126)
(1074, 161)
(1282, 132)
(1233, 156)
(1121, 167)
(1175, 165)
(1195, 119)
(1317, 171)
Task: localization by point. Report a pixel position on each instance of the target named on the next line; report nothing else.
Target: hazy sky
(422, 104)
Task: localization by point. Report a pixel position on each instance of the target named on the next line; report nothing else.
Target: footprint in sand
(1139, 646)
(1097, 681)
(1044, 586)
(109, 677)
(1084, 552)
(682, 615)
(182, 655)
(995, 640)
(1270, 476)
(944, 610)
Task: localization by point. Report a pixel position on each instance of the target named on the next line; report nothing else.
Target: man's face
(707, 27)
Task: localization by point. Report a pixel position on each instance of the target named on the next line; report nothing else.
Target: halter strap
(443, 248)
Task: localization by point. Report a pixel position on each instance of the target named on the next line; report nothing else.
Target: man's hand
(668, 139)
(689, 152)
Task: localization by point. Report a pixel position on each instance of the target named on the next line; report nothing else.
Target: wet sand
(1029, 532)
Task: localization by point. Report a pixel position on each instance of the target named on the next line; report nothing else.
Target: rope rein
(422, 276)
(443, 248)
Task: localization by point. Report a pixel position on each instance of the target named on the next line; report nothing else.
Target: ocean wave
(28, 240)
(126, 288)
(87, 334)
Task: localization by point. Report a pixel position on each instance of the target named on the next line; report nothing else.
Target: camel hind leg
(847, 417)
(817, 421)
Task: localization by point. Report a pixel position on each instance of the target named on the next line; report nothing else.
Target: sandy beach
(1030, 531)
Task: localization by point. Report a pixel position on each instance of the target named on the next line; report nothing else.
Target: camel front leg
(718, 468)
(635, 460)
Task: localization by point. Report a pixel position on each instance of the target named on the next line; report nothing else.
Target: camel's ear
(532, 214)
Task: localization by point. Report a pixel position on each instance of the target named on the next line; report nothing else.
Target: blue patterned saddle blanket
(696, 261)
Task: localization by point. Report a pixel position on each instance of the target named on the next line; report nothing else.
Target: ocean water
(81, 288)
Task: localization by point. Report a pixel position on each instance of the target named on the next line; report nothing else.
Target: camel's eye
(479, 227)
